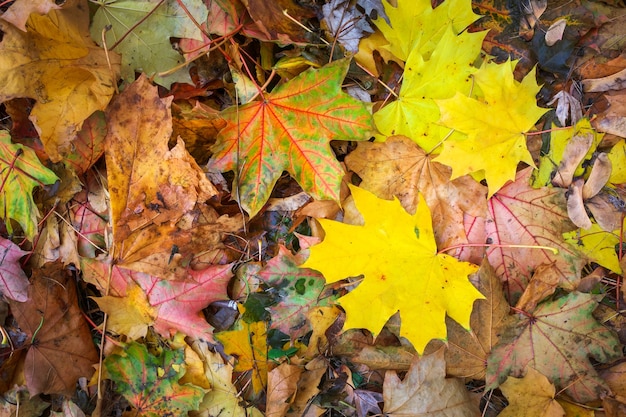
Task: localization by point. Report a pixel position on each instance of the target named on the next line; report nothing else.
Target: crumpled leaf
(147, 48)
(249, 346)
(21, 172)
(521, 215)
(415, 25)
(159, 221)
(290, 129)
(447, 70)
(61, 348)
(426, 391)
(169, 306)
(495, 125)
(530, 396)
(13, 280)
(397, 254)
(55, 64)
(150, 383)
(398, 167)
(557, 339)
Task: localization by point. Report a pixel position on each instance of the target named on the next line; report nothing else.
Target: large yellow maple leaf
(397, 254)
(495, 124)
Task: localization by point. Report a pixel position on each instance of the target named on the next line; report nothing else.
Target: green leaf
(150, 383)
(21, 171)
(147, 47)
(290, 129)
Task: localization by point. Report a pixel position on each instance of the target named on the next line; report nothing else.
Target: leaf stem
(496, 245)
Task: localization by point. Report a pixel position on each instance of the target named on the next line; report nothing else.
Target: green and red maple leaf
(290, 129)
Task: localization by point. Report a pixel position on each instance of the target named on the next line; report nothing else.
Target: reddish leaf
(521, 215)
(557, 339)
(290, 129)
(13, 280)
(169, 306)
(88, 146)
(61, 349)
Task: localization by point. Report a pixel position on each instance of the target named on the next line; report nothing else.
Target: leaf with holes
(521, 215)
(150, 383)
(290, 129)
(557, 339)
(20, 172)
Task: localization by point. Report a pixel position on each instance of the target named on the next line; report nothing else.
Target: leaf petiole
(496, 245)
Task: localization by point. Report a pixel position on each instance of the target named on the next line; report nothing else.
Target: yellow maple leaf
(249, 345)
(397, 254)
(415, 25)
(446, 71)
(495, 124)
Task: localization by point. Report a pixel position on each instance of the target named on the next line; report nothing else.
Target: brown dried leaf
(426, 391)
(61, 348)
(399, 167)
(282, 384)
(543, 284)
(466, 356)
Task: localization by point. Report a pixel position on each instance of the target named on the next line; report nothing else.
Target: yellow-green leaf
(495, 124)
(21, 172)
(397, 254)
(415, 25)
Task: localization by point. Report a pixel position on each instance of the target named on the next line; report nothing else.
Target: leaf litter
(215, 208)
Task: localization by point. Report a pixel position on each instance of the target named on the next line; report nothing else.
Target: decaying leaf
(425, 391)
(133, 35)
(150, 383)
(60, 346)
(298, 291)
(557, 339)
(397, 254)
(467, 352)
(168, 305)
(521, 215)
(290, 129)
